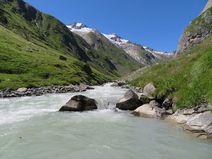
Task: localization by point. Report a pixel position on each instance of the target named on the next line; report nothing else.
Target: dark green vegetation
(38, 50)
(188, 78)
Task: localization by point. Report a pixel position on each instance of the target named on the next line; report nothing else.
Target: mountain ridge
(141, 54)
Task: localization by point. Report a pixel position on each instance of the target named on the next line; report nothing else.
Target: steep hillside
(25, 64)
(97, 40)
(40, 28)
(37, 49)
(105, 53)
(187, 78)
(199, 29)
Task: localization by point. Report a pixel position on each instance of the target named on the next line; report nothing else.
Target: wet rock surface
(79, 103)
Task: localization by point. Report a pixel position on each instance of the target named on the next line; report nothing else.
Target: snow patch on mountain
(158, 52)
(80, 28)
(115, 39)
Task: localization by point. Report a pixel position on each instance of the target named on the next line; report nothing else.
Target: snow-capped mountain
(83, 31)
(80, 28)
(140, 53)
(143, 55)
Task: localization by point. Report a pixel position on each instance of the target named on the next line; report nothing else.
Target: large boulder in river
(130, 101)
(149, 90)
(147, 110)
(79, 103)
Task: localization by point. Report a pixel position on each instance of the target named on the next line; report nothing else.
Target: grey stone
(129, 101)
(149, 90)
(79, 103)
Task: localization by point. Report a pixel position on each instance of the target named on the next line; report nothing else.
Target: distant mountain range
(141, 54)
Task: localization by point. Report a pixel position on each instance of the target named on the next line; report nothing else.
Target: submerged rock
(130, 101)
(79, 103)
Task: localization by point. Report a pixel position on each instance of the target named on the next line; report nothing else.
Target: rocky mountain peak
(116, 39)
(208, 5)
(80, 28)
(77, 26)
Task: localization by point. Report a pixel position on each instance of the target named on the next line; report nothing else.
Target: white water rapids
(32, 128)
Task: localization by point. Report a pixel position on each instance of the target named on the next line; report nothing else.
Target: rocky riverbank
(8, 93)
(197, 120)
(141, 101)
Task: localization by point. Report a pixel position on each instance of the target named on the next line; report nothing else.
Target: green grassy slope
(188, 78)
(25, 64)
(31, 43)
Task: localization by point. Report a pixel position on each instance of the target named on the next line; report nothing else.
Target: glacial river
(32, 128)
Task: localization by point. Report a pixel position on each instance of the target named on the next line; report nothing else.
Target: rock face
(79, 103)
(198, 30)
(129, 101)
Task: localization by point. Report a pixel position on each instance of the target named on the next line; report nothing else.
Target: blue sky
(154, 23)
